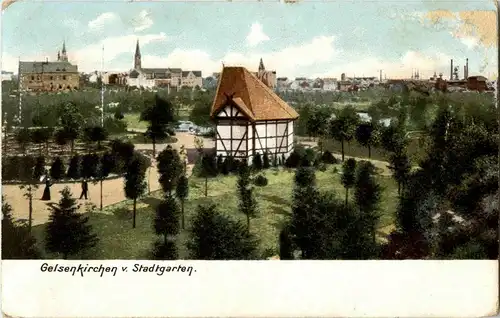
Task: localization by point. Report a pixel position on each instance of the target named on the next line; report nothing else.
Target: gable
(231, 111)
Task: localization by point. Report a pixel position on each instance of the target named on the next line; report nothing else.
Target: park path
(112, 189)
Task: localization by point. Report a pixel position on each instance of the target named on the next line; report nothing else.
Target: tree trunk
(30, 200)
(72, 146)
(342, 142)
(346, 196)
(101, 193)
(133, 219)
(153, 139)
(369, 152)
(399, 188)
(206, 186)
(182, 213)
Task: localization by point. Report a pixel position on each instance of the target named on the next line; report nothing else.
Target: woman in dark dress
(46, 191)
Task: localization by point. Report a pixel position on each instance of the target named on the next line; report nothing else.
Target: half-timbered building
(250, 118)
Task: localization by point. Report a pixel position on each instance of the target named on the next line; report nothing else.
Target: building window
(64, 77)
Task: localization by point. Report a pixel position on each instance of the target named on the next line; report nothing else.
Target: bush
(328, 158)
(57, 169)
(260, 181)
(308, 157)
(11, 168)
(114, 125)
(294, 160)
(74, 168)
(257, 162)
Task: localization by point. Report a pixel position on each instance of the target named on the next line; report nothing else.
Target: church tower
(63, 56)
(261, 66)
(137, 57)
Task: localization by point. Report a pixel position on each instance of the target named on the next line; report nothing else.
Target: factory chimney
(466, 68)
(451, 70)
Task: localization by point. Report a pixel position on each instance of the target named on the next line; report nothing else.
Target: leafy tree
(17, 242)
(68, 231)
(160, 115)
(348, 178)
(106, 166)
(285, 244)
(165, 250)
(265, 161)
(95, 134)
(393, 138)
(123, 152)
(343, 127)
(41, 136)
(215, 236)
(208, 169)
(400, 166)
(166, 222)
(182, 193)
(29, 183)
(200, 113)
(170, 169)
(57, 170)
(71, 122)
(368, 195)
(89, 166)
(135, 184)
(317, 122)
(74, 169)
(247, 203)
(257, 162)
(23, 138)
(366, 135)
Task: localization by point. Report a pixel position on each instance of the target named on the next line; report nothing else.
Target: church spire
(261, 66)
(64, 47)
(63, 56)
(137, 56)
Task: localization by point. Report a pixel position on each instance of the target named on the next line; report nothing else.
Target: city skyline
(358, 38)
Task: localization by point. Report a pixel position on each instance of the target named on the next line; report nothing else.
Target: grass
(133, 121)
(119, 241)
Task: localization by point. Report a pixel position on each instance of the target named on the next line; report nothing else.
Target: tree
(29, 183)
(400, 165)
(348, 176)
(343, 127)
(160, 115)
(208, 169)
(135, 184)
(89, 166)
(165, 250)
(285, 244)
(247, 203)
(71, 121)
(74, 169)
(367, 195)
(57, 170)
(170, 168)
(68, 232)
(166, 222)
(200, 113)
(366, 136)
(23, 138)
(182, 192)
(41, 136)
(60, 138)
(265, 161)
(106, 166)
(17, 242)
(215, 236)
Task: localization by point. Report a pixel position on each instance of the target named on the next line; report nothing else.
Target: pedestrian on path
(85, 189)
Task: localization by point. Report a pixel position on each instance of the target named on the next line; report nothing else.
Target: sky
(310, 38)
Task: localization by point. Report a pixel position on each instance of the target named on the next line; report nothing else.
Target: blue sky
(306, 39)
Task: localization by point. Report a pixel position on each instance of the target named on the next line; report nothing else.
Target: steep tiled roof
(155, 70)
(197, 73)
(252, 96)
(39, 67)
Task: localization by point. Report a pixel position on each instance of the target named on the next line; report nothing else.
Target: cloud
(426, 63)
(143, 21)
(470, 42)
(89, 58)
(256, 35)
(102, 20)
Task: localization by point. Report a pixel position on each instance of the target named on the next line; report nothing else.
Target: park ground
(113, 224)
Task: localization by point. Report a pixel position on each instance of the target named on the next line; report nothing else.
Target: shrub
(260, 181)
(265, 161)
(328, 158)
(257, 162)
(11, 168)
(294, 160)
(57, 169)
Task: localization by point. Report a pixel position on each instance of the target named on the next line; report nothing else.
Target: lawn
(119, 241)
(133, 121)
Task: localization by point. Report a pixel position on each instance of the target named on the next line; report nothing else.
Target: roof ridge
(270, 92)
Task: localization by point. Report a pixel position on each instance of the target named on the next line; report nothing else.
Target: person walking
(46, 191)
(85, 189)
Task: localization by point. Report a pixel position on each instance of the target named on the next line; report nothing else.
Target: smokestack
(466, 68)
(451, 70)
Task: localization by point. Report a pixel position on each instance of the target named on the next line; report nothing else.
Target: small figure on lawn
(46, 191)
(85, 189)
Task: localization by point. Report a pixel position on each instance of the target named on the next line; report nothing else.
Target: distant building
(7, 76)
(152, 77)
(477, 83)
(49, 76)
(267, 77)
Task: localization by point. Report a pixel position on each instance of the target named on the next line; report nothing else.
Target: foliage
(57, 170)
(260, 180)
(68, 232)
(74, 169)
(17, 241)
(166, 222)
(285, 244)
(23, 138)
(348, 178)
(343, 127)
(39, 169)
(135, 184)
(11, 168)
(182, 192)
(165, 250)
(89, 166)
(265, 161)
(247, 203)
(159, 115)
(366, 135)
(215, 236)
(367, 195)
(257, 162)
(170, 168)
(328, 158)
